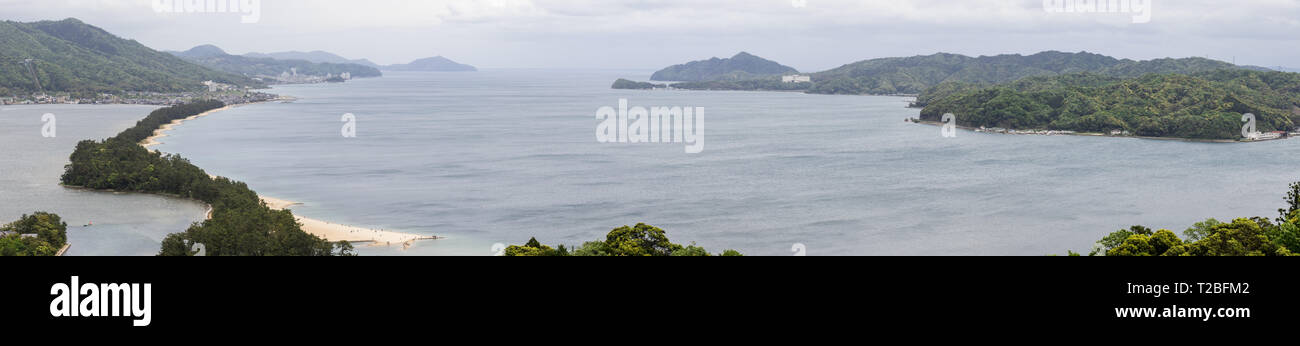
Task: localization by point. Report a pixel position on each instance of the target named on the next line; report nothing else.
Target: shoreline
(325, 230)
(1094, 134)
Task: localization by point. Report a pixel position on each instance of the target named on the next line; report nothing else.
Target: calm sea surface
(499, 156)
(30, 166)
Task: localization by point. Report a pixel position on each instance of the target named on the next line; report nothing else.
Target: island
(434, 64)
(742, 66)
(627, 84)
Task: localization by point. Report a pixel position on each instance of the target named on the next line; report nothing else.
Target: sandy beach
(162, 131)
(336, 232)
(325, 230)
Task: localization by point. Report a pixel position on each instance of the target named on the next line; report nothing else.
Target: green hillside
(71, 56)
(742, 66)
(914, 75)
(1205, 105)
(212, 57)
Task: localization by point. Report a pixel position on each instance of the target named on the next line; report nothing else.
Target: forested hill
(313, 56)
(914, 75)
(72, 56)
(742, 66)
(215, 58)
(1205, 105)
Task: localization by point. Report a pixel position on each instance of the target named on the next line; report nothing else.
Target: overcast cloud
(651, 34)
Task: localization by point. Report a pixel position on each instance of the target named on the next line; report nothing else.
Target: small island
(632, 85)
(434, 64)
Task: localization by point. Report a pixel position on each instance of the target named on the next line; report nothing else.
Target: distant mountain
(740, 67)
(72, 56)
(314, 56)
(913, 75)
(437, 63)
(216, 58)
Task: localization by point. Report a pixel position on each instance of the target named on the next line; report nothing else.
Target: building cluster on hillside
(1264, 136)
(292, 77)
(796, 79)
(1023, 132)
(141, 98)
(215, 86)
(227, 93)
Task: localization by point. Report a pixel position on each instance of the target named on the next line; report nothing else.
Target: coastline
(325, 230)
(1094, 134)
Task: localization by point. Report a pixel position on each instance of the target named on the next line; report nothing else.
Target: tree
(345, 248)
(39, 234)
(1242, 237)
(1117, 238)
(593, 249)
(1200, 230)
(1293, 201)
(642, 240)
(691, 251)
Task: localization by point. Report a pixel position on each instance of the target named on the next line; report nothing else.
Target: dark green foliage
(1243, 237)
(642, 240)
(1207, 105)
(743, 66)
(627, 84)
(914, 75)
(39, 234)
(1292, 213)
(72, 56)
(241, 223)
(217, 59)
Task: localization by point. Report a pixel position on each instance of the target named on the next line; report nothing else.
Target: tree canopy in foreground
(1254, 236)
(39, 234)
(642, 240)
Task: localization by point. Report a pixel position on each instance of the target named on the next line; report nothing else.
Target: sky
(810, 35)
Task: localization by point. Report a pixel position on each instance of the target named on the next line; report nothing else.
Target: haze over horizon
(810, 35)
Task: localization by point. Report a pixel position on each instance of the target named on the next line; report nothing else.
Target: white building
(1263, 136)
(796, 79)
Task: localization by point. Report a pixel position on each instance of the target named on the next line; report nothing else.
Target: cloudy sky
(810, 35)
